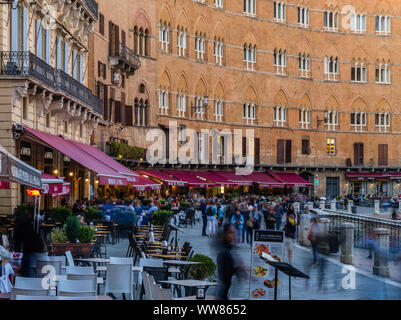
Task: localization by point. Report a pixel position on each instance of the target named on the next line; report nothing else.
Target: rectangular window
(358, 154)
(101, 24)
(331, 146)
(48, 120)
(25, 108)
(305, 146)
(383, 155)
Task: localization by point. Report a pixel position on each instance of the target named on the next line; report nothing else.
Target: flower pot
(79, 249)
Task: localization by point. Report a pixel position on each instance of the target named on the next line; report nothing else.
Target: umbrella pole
(34, 215)
(38, 222)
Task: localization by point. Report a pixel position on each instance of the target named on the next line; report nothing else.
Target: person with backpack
(289, 231)
(313, 237)
(211, 212)
(220, 215)
(204, 218)
(238, 221)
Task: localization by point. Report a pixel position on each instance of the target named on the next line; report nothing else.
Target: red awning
(107, 160)
(365, 175)
(291, 179)
(107, 175)
(51, 184)
(168, 180)
(143, 184)
(264, 180)
(218, 180)
(191, 180)
(233, 177)
(64, 191)
(394, 175)
(4, 185)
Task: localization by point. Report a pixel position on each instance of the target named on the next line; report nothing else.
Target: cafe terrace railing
(26, 64)
(363, 227)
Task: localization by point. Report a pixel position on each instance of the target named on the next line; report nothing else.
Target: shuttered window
(383, 154)
(358, 154)
(117, 111)
(101, 24)
(284, 148)
(128, 116)
(257, 150)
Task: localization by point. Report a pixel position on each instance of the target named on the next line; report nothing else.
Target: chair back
(118, 260)
(80, 270)
(69, 258)
(91, 277)
(29, 286)
(119, 278)
(158, 293)
(150, 262)
(74, 288)
(44, 267)
(158, 273)
(146, 286)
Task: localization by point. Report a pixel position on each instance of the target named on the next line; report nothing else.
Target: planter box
(79, 249)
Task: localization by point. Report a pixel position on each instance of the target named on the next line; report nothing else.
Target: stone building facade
(43, 84)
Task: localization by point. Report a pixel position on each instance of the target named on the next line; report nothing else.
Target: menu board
(261, 280)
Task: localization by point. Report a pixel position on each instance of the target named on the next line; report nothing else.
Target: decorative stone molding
(93, 123)
(56, 106)
(18, 94)
(43, 103)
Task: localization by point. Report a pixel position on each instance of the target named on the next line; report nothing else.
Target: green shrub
(202, 271)
(58, 235)
(93, 214)
(72, 226)
(86, 234)
(127, 151)
(160, 218)
(60, 213)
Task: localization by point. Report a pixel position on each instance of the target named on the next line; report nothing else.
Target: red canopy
(365, 175)
(145, 184)
(264, 180)
(233, 177)
(191, 180)
(211, 176)
(107, 175)
(291, 179)
(168, 180)
(51, 184)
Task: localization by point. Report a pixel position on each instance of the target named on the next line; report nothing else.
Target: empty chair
(69, 258)
(146, 286)
(82, 273)
(119, 280)
(74, 288)
(118, 260)
(158, 293)
(30, 287)
(46, 267)
(144, 262)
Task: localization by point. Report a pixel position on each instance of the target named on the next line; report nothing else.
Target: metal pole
(39, 198)
(34, 215)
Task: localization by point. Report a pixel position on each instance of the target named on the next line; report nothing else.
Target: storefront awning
(291, 179)
(189, 179)
(234, 178)
(264, 180)
(51, 184)
(218, 180)
(365, 175)
(165, 178)
(106, 174)
(64, 191)
(107, 160)
(13, 169)
(143, 184)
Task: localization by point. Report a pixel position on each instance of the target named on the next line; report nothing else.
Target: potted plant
(93, 214)
(60, 214)
(160, 218)
(72, 238)
(203, 271)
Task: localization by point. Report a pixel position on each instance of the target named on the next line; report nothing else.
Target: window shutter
(257, 150)
(288, 146)
(47, 51)
(74, 64)
(15, 26)
(244, 146)
(66, 57)
(38, 38)
(81, 69)
(356, 154)
(101, 24)
(105, 102)
(58, 53)
(111, 39)
(117, 39)
(24, 29)
(361, 154)
(383, 154)
(123, 37)
(117, 111)
(128, 116)
(280, 151)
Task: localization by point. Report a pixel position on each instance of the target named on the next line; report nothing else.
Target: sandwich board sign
(261, 280)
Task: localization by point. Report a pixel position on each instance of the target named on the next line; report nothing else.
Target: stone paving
(367, 285)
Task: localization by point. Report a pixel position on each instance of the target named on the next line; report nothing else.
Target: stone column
(377, 207)
(324, 231)
(347, 243)
(322, 204)
(350, 204)
(333, 205)
(304, 228)
(380, 266)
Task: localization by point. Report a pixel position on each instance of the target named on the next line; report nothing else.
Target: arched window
(250, 56)
(280, 61)
(331, 67)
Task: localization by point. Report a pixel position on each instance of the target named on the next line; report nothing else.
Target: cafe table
(189, 284)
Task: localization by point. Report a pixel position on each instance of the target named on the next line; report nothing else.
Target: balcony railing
(26, 64)
(127, 55)
(93, 7)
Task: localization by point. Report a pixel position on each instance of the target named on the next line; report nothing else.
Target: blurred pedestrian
(313, 237)
(238, 222)
(289, 231)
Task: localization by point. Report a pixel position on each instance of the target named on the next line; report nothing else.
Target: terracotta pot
(80, 249)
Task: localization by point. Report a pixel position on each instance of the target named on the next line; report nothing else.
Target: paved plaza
(367, 285)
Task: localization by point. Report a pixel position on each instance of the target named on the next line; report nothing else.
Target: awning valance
(291, 179)
(264, 180)
(234, 178)
(165, 178)
(211, 176)
(189, 179)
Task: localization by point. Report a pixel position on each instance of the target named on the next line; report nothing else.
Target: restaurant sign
(19, 173)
